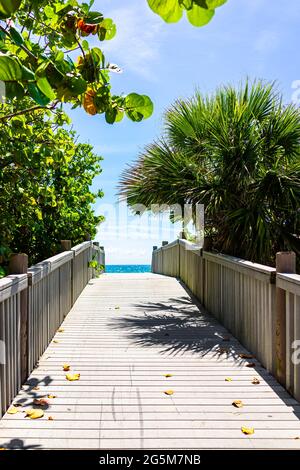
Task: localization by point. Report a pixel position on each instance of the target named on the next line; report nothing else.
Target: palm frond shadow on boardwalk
(18, 444)
(178, 326)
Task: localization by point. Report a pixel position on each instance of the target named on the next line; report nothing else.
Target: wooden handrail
(12, 285)
(259, 304)
(34, 304)
(81, 247)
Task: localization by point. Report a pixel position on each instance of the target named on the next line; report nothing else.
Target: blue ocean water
(128, 268)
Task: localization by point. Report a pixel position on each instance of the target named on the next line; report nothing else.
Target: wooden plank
(241, 265)
(289, 282)
(122, 356)
(12, 285)
(82, 247)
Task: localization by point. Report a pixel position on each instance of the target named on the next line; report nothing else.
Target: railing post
(153, 261)
(73, 279)
(285, 263)
(164, 243)
(18, 264)
(66, 245)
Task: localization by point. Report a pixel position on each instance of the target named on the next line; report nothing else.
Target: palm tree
(237, 152)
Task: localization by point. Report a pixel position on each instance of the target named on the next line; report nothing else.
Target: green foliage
(38, 57)
(237, 152)
(45, 180)
(199, 12)
(8, 7)
(98, 268)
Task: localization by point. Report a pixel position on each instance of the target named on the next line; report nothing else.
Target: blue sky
(247, 38)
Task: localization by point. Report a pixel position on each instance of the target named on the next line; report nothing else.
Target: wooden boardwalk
(123, 335)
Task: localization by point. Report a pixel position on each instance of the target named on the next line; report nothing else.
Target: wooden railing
(33, 305)
(290, 283)
(243, 297)
(13, 291)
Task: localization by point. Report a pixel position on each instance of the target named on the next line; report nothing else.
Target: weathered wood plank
(122, 355)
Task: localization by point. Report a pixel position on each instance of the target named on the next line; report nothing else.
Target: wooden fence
(243, 297)
(33, 305)
(290, 283)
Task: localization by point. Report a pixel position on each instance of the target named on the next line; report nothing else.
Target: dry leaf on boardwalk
(13, 410)
(36, 388)
(50, 418)
(238, 403)
(52, 396)
(34, 414)
(246, 356)
(168, 375)
(41, 401)
(72, 377)
(226, 338)
(223, 351)
(117, 308)
(66, 367)
(60, 330)
(247, 431)
(55, 341)
(168, 392)
(251, 364)
(228, 379)
(255, 381)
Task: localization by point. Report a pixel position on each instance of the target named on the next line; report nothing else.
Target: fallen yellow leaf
(51, 396)
(12, 410)
(34, 414)
(168, 392)
(55, 341)
(61, 330)
(238, 403)
(72, 377)
(117, 308)
(255, 381)
(228, 379)
(247, 431)
(168, 375)
(66, 367)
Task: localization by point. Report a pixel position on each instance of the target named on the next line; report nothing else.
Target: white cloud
(136, 46)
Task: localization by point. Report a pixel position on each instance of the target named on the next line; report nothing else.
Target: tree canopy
(47, 52)
(238, 153)
(199, 12)
(51, 54)
(45, 180)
